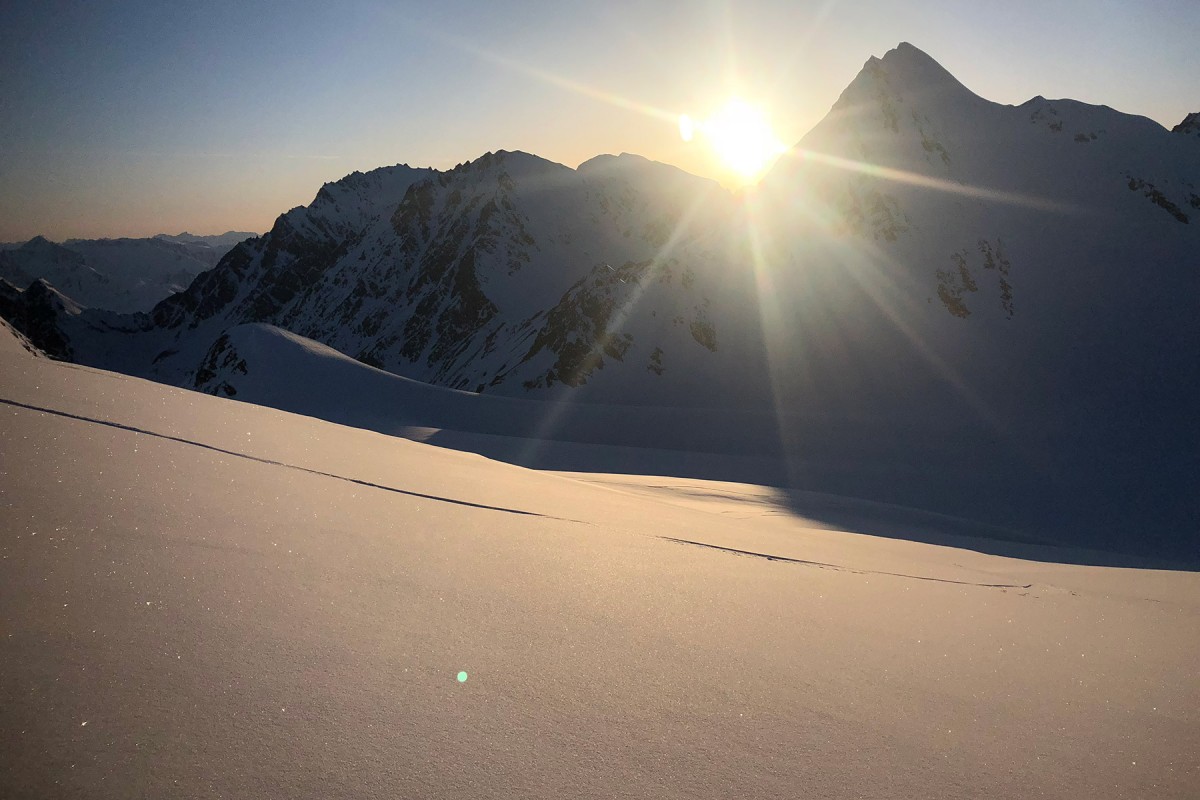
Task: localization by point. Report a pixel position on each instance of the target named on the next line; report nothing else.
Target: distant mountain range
(124, 275)
(934, 300)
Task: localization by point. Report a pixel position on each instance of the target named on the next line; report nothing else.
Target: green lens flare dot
(462, 677)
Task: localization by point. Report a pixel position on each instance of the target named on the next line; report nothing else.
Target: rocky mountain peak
(904, 72)
(1190, 125)
(41, 290)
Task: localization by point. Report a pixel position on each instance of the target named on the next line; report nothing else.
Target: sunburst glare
(740, 136)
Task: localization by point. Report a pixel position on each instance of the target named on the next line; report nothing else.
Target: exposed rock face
(489, 276)
(1190, 125)
(37, 314)
(221, 361)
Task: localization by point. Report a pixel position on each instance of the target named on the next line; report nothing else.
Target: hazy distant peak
(622, 158)
(519, 155)
(631, 164)
(44, 248)
(622, 161)
(186, 237)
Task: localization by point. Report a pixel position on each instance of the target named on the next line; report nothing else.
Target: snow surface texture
(977, 310)
(204, 598)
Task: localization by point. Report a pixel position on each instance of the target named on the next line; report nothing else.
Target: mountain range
(123, 275)
(933, 300)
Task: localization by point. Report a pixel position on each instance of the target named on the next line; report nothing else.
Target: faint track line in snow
(273, 463)
(838, 567)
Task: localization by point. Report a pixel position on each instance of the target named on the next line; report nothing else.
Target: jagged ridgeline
(507, 274)
(930, 283)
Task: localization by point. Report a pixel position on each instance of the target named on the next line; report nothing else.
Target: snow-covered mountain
(1040, 260)
(218, 241)
(68, 270)
(949, 303)
(207, 249)
(501, 274)
(122, 275)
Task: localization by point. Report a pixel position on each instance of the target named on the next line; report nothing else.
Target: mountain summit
(903, 70)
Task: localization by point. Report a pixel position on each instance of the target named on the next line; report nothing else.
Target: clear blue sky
(133, 118)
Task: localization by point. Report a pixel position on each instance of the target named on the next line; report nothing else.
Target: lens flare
(687, 128)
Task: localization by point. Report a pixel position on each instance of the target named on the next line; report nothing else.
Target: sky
(135, 118)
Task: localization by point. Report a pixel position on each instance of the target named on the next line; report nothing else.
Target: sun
(740, 136)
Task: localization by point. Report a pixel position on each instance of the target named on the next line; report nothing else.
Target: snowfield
(207, 598)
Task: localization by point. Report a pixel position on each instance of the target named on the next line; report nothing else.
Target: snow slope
(205, 598)
(1006, 495)
(268, 366)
